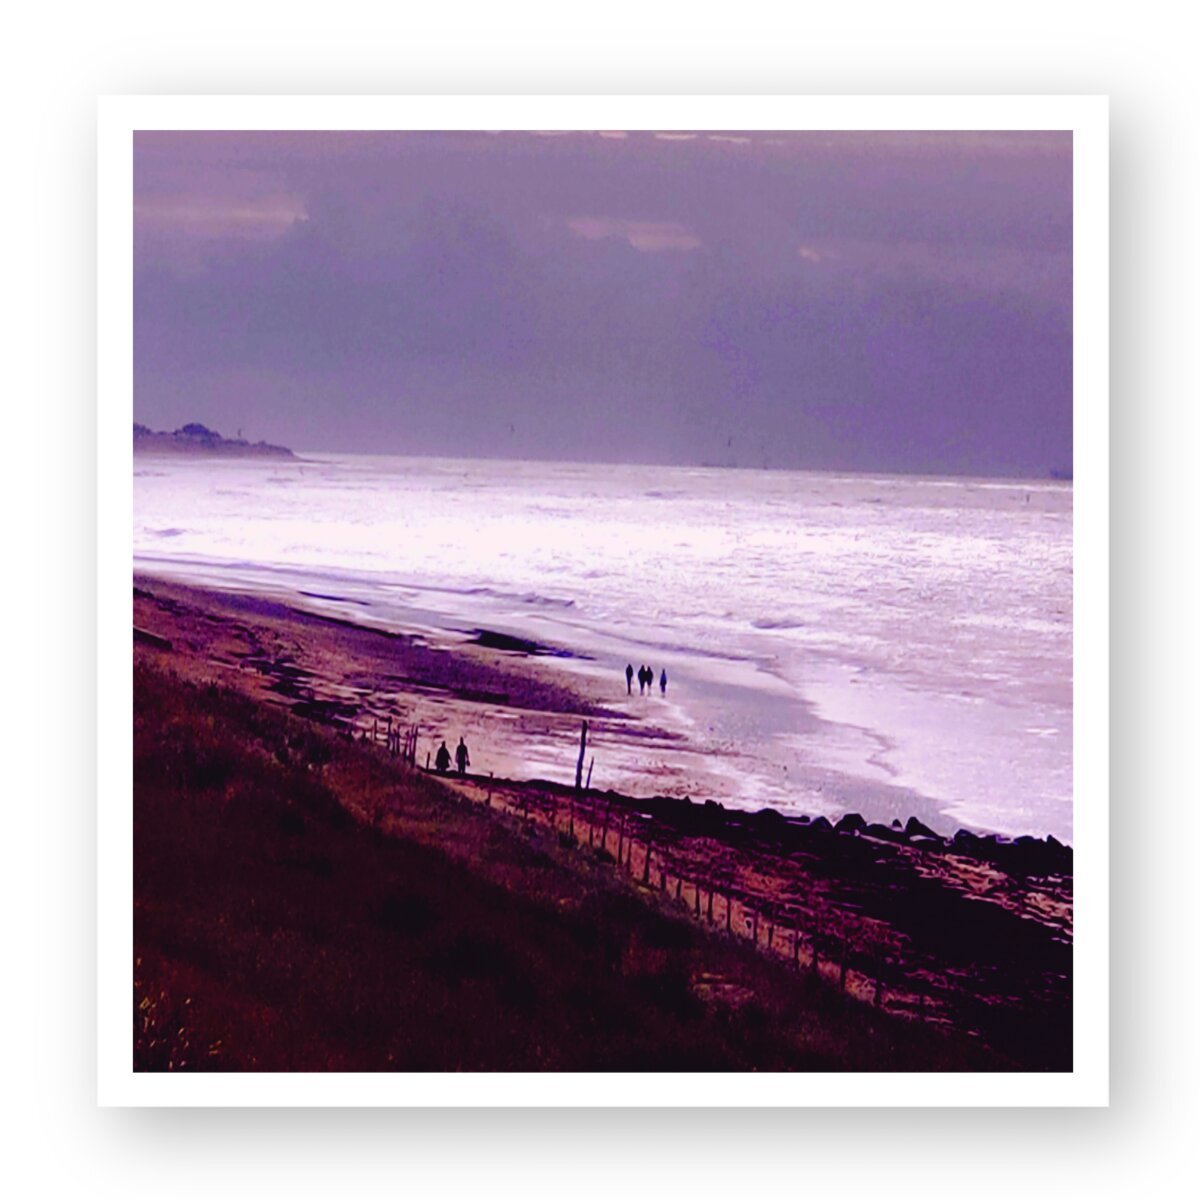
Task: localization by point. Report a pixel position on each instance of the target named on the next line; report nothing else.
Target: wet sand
(518, 703)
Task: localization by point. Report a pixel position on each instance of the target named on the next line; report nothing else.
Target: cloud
(1034, 276)
(651, 237)
(219, 216)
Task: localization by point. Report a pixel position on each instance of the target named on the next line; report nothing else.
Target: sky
(871, 301)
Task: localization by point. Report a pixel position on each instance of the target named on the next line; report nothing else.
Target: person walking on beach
(442, 761)
(662, 681)
(642, 680)
(464, 759)
(629, 678)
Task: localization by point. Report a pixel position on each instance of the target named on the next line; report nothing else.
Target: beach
(890, 646)
(967, 936)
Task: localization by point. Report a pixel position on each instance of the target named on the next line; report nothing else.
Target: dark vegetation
(301, 903)
(196, 439)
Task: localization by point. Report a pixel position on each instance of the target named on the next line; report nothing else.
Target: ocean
(888, 645)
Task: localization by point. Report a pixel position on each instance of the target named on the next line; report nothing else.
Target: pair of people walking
(462, 757)
(645, 678)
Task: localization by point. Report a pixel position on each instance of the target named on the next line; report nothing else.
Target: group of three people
(645, 678)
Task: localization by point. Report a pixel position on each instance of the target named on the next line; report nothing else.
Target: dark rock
(821, 823)
(850, 823)
(1023, 855)
(915, 828)
(771, 819)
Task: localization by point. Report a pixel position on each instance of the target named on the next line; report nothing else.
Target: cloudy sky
(871, 301)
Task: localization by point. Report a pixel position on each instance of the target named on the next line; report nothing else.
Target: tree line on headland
(197, 439)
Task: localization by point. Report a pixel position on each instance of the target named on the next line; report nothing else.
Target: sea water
(890, 645)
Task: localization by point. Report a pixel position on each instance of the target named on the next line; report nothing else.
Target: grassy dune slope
(301, 903)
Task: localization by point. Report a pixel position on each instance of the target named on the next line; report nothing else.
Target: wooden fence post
(754, 927)
(604, 828)
(646, 867)
(697, 900)
(620, 839)
(589, 778)
(796, 946)
(582, 751)
(710, 896)
(491, 782)
(729, 913)
(770, 935)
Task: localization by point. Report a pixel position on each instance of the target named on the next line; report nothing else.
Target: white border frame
(1085, 116)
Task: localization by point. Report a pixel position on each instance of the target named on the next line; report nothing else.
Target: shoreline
(500, 687)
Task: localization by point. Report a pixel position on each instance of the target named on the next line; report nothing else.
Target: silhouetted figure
(442, 761)
(662, 681)
(629, 678)
(642, 680)
(464, 759)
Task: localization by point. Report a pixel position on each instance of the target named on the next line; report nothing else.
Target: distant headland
(199, 440)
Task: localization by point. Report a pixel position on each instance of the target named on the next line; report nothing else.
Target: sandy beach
(969, 936)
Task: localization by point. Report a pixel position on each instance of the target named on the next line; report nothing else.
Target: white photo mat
(1085, 116)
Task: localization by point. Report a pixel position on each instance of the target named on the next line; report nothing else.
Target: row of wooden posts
(713, 905)
(752, 919)
(401, 742)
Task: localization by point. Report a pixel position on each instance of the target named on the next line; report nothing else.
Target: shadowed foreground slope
(303, 904)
